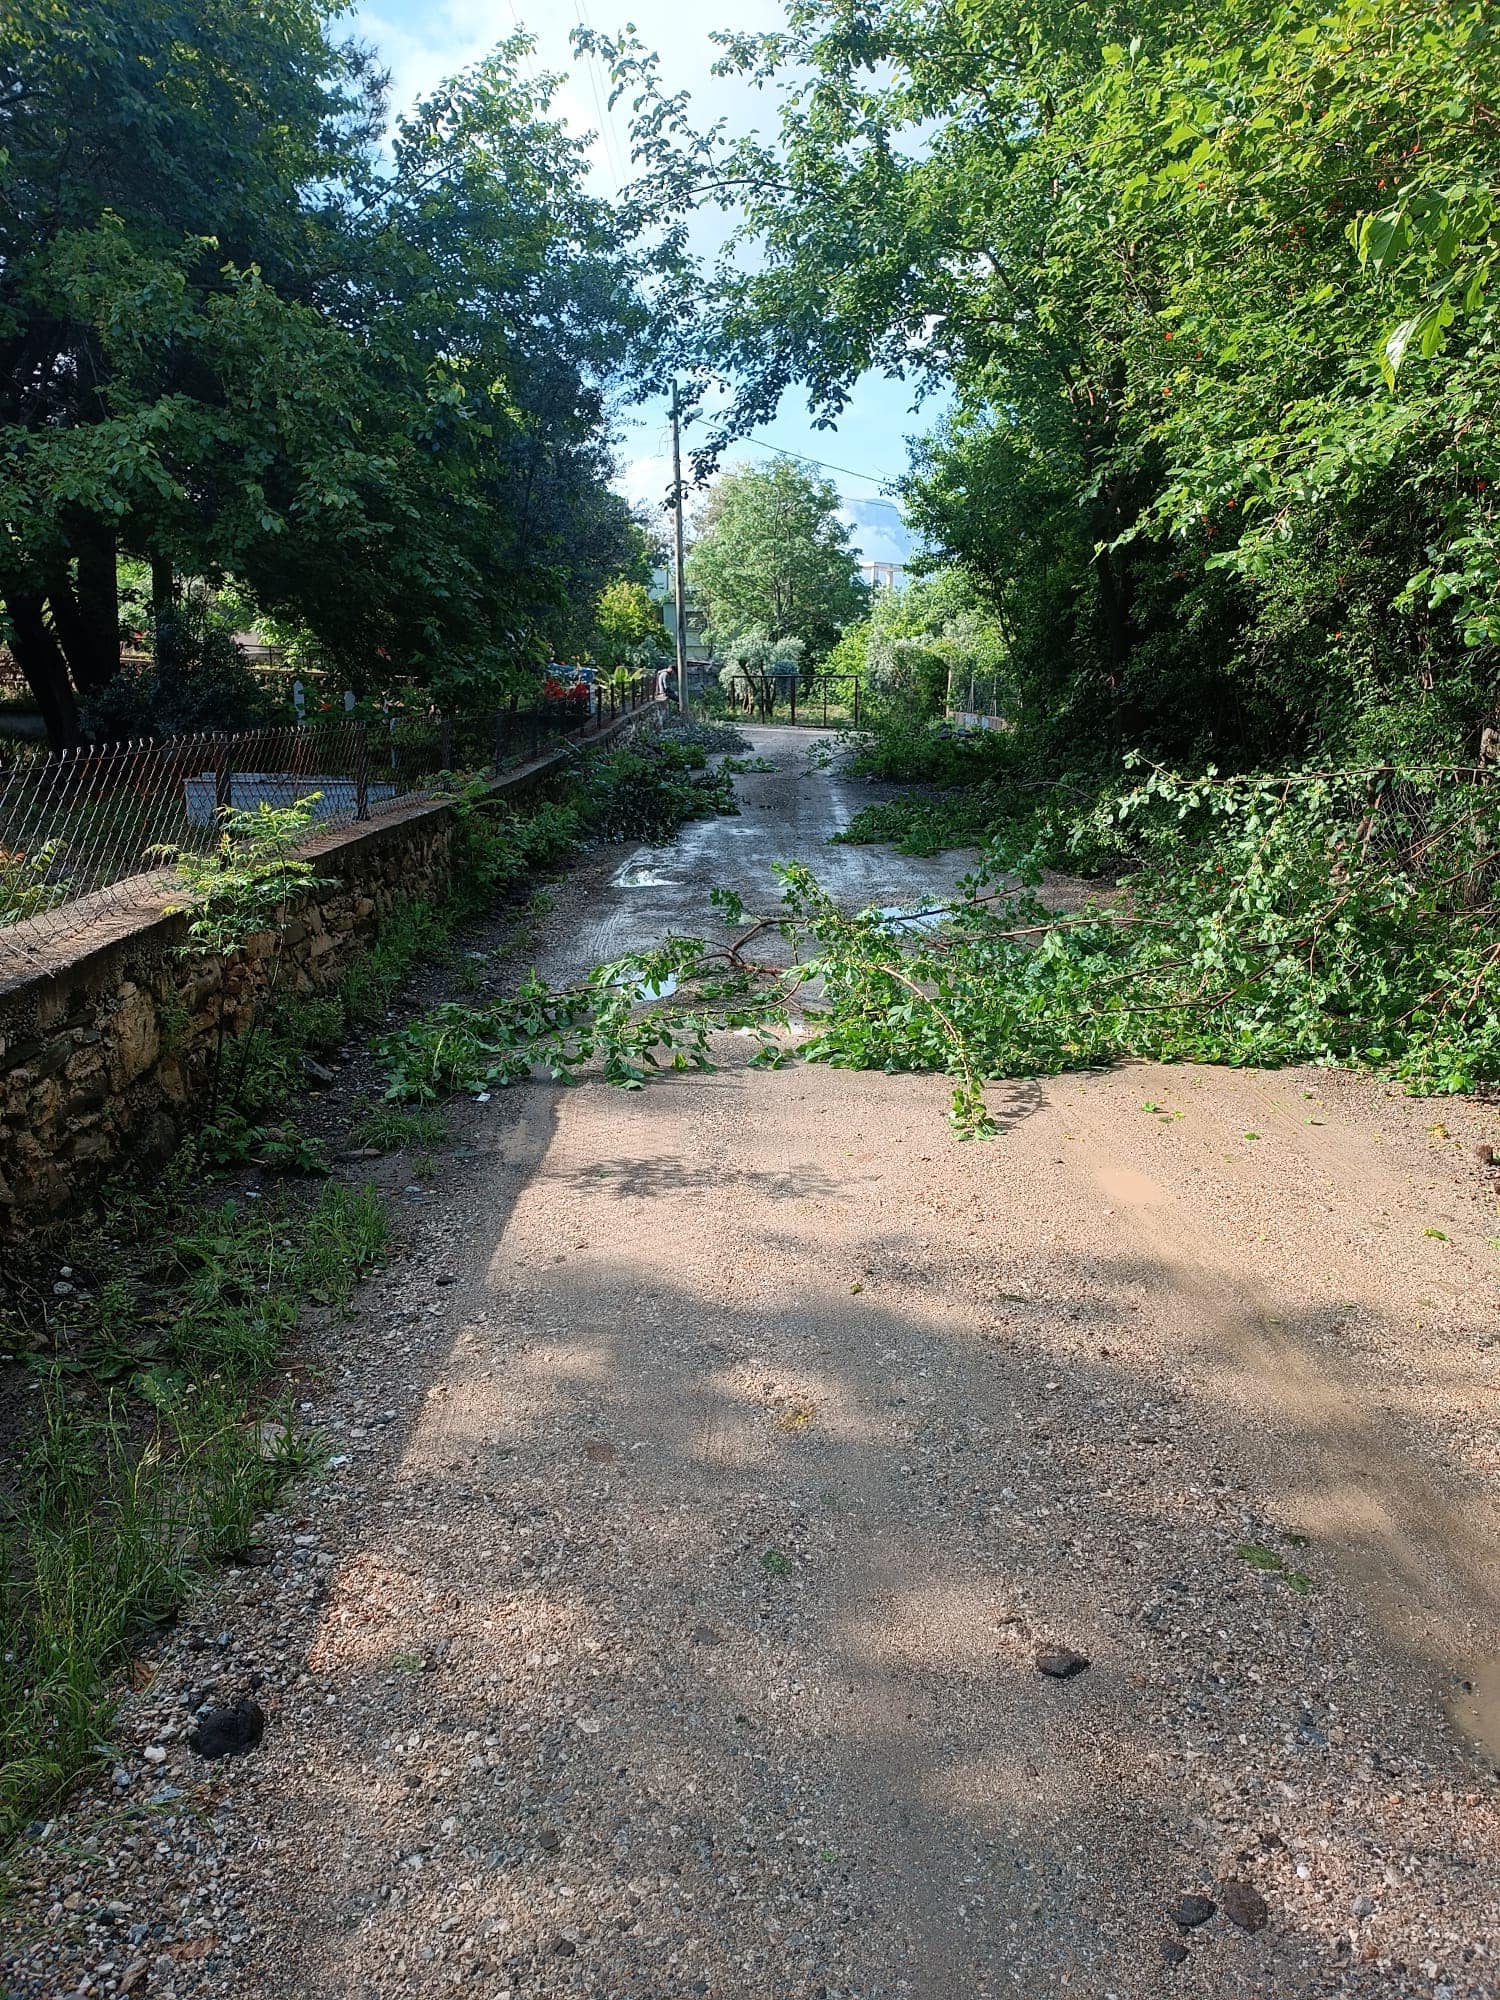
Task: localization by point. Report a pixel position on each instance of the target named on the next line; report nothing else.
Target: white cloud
(880, 533)
(646, 482)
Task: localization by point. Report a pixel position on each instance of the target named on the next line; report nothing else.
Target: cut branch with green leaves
(1320, 917)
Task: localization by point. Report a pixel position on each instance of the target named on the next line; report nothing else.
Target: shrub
(199, 680)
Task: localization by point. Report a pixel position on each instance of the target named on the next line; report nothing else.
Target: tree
(236, 338)
(1213, 289)
(772, 554)
(145, 225)
(934, 639)
(756, 666)
(626, 620)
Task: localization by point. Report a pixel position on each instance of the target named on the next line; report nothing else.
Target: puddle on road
(640, 872)
(648, 989)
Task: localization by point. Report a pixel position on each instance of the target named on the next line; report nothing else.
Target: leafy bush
(907, 749)
(1342, 917)
(497, 847)
(199, 680)
(927, 823)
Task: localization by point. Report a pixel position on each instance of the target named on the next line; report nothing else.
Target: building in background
(883, 575)
(699, 652)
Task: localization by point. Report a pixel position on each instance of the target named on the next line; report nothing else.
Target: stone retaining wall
(107, 1037)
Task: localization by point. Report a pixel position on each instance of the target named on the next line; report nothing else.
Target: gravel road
(709, 1474)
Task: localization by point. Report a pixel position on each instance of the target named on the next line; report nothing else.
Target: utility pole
(680, 621)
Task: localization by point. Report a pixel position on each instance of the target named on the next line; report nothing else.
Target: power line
(608, 137)
(826, 465)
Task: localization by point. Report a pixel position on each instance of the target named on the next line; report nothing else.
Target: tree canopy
(238, 336)
(1213, 291)
(772, 555)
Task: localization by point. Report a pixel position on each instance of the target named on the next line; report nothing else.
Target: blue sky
(422, 41)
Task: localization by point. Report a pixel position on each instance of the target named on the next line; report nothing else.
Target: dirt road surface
(708, 1475)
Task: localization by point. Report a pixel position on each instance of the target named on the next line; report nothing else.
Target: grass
(411, 932)
(154, 1448)
(392, 1127)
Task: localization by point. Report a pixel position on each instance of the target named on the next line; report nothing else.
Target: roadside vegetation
(152, 1430)
(154, 1420)
(1210, 528)
(348, 389)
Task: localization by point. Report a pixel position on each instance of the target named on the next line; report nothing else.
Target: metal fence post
(499, 739)
(223, 774)
(447, 741)
(856, 704)
(794, 696)
(361, 770)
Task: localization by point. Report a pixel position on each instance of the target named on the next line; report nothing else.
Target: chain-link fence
(79, 829)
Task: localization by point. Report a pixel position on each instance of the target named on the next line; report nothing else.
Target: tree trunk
(99, 601)
(87, 616)
(163, 594)
(42, 661)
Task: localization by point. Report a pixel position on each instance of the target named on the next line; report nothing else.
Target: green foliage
(363, 370)
(499, 847)
(628, 624)
(757, 668)
(198, 680)
(28, 883)
(1338, 917)
(391, 1128)
(1344, 917)
(646, 791)
(1211, 292)
(152, 1454)
(713, 738)
(931, 647)
(624, 1015)
(909, 749)
(245, 882)
(772, 555)
(243, 886)
(918, 823)
(411, 931)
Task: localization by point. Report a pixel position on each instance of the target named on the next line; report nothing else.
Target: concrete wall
(107, 1035)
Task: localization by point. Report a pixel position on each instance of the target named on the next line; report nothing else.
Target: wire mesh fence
(81, 831)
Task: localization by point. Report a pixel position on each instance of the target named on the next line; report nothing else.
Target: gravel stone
(1188, 1912)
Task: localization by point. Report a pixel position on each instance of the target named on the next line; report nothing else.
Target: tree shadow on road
(701, 1616)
